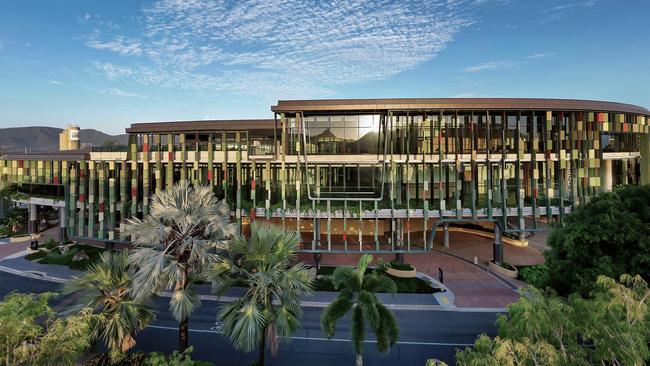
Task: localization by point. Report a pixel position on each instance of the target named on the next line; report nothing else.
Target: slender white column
(608, 176)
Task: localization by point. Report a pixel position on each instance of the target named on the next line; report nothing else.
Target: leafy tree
(105, 287)
(31, 335)
(612, 328)
(175, 243)
(270, 309)
(357, 293)
(16, 219)
(608, 236)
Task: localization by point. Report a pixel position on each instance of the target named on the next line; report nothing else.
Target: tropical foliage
(358, 294)
(105, 287)
(611, 328)
(149, 359)
(31, 335)
(270, 309)
(175, 243)
(15, 220)
(608, 236)
(537, 275)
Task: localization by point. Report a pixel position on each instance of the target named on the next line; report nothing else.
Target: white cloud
(506, 64)
(283, 49)
(540, 55)
(120, 93)
(55, 82)
(558, 12)
(120, 45)
(566, 6)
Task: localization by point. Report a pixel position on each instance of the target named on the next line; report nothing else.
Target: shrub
(401, 266)
(151, 359)
(537, 276)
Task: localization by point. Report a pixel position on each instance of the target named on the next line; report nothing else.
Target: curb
(33, 274)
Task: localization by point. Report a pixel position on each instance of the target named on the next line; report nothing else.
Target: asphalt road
(423, 334)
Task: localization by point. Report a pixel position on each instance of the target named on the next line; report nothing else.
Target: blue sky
(106, 64)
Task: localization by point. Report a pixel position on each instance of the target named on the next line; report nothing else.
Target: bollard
(440, 275)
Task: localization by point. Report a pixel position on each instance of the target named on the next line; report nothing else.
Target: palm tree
(270, 308)
(175, 243)
(105, 287)
(357, 294)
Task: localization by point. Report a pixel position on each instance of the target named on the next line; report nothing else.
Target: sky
(107, 64)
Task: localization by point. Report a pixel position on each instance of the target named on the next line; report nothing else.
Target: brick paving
(7, 249)
(467, 246)
(471, 286)
(12, 248)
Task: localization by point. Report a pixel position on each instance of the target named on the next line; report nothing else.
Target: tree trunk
(183, 329)
(262, 350)
(183, 334)
(359, 359)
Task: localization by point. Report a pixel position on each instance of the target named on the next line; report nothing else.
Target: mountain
(39, 138)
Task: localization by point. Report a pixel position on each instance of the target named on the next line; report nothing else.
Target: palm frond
(367, 302)
(335, 311)
(388, 331)
(243, 324)
(183, 302)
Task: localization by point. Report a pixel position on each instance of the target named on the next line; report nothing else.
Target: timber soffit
(69, 155)
(201, 126)
(455, 104)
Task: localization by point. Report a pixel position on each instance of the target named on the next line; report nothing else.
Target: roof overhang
(450, 104)
(202, 126)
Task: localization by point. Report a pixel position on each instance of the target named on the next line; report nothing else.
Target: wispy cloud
(55, 82)
(558, 12)
(120, 45)
(506, 64)
(282, 49)
(120, 93)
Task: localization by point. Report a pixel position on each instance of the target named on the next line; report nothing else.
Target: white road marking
(327, 339)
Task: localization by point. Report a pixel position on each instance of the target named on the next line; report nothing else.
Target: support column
(445, 241)
(497, 252)
(317, 258)
(607, 177)
(4, 207)
(645, 157)
(62, 226)
(32, 225)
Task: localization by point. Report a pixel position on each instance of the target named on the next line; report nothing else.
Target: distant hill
(39, 138)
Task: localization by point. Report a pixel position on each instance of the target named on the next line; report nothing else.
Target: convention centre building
(356, 175)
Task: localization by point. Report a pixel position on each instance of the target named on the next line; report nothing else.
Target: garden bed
(504, 269)
(404, 285)
(49, 254)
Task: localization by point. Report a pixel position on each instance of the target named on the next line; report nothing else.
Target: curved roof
(456, 104)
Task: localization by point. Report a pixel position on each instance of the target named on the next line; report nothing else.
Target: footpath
(17, 264)
(467, 287)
